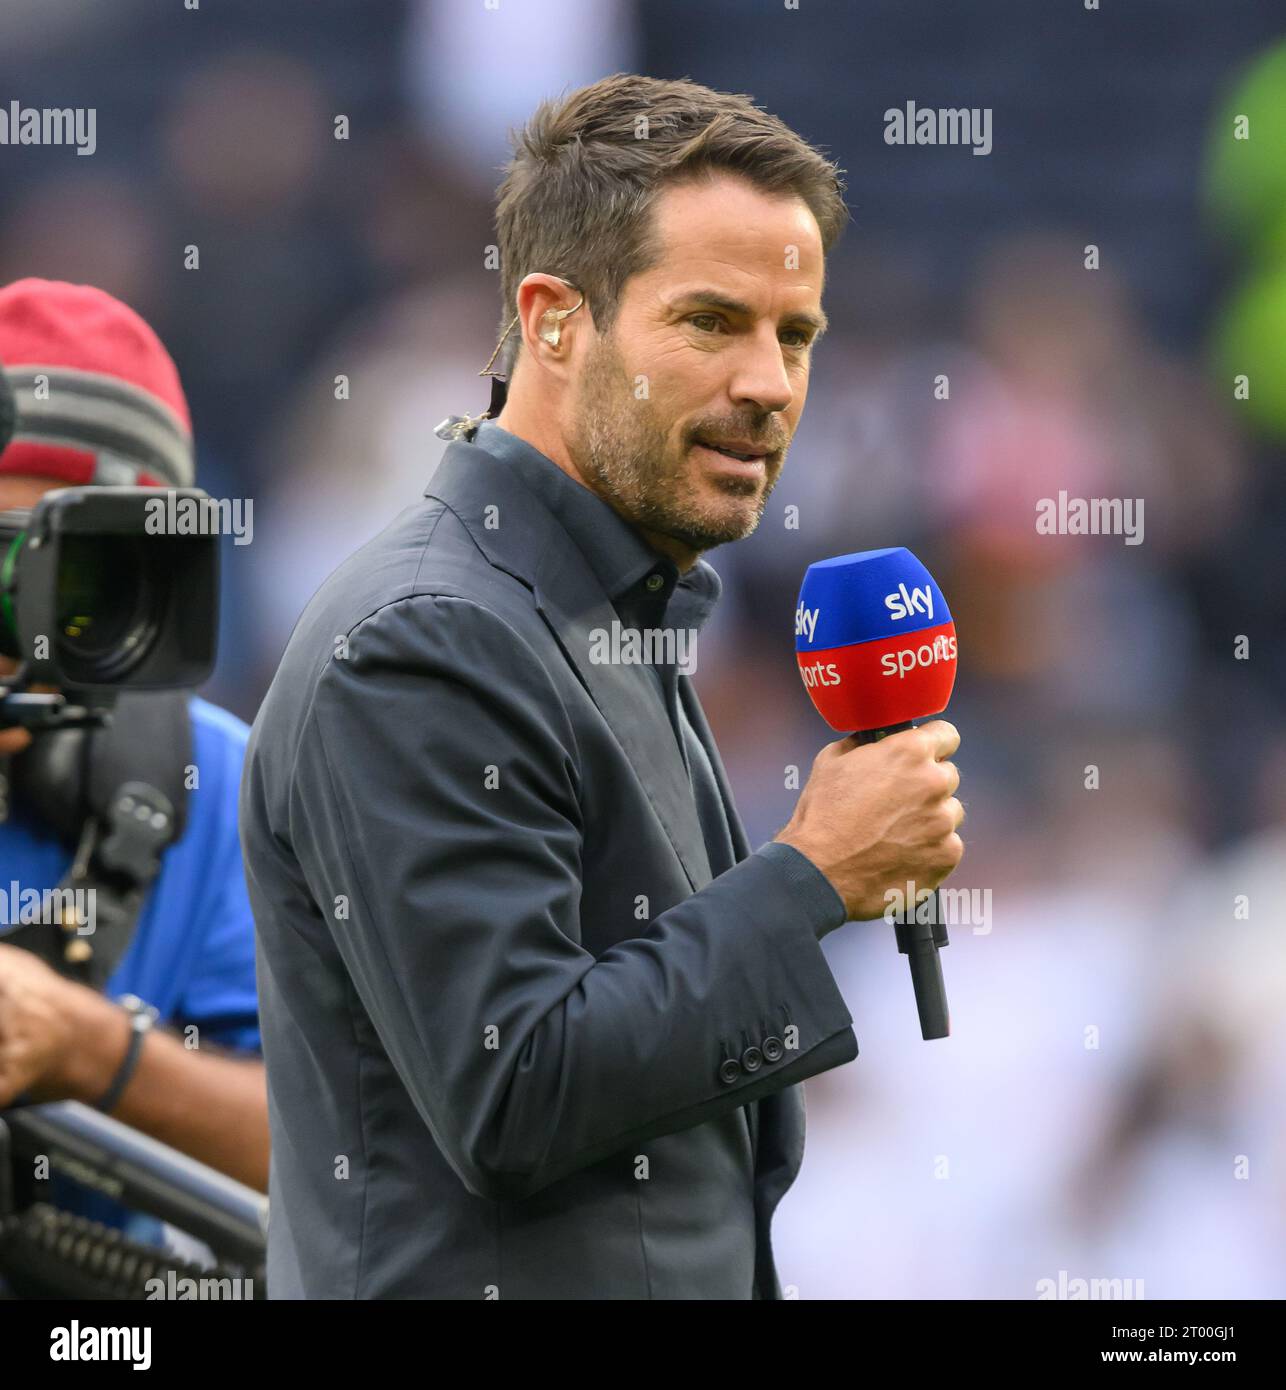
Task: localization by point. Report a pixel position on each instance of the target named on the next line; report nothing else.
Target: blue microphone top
(864, 597)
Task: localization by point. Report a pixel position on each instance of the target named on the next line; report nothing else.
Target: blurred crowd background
(1111, 1101)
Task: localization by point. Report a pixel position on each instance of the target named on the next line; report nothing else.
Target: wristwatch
(142, 1017)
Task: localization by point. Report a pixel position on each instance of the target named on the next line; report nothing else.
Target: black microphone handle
(919, 941)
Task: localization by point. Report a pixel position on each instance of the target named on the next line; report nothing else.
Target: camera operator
(99, 402)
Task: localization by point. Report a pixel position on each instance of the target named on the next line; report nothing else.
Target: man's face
(712, 343)
(25, 489)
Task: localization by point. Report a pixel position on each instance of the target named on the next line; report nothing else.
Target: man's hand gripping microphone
(876, 648)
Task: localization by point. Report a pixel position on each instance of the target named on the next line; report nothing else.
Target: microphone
(876, 648)
(8, 411)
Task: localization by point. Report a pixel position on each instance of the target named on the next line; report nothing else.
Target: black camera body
(98, 596)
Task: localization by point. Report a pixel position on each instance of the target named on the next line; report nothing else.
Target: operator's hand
(41, 1017)
(13, 740)
(873, 816)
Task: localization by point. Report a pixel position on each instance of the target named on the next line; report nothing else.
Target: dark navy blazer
(519, 1042)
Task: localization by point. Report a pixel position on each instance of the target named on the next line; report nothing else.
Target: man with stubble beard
(535, 1015)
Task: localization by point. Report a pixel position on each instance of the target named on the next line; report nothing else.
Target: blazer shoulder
(389, 598)
(425, 551)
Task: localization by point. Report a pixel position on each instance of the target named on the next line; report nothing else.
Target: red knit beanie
(98, 396)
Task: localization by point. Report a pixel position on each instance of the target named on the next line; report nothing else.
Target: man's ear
(545, 303)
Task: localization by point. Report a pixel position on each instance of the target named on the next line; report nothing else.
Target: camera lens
(105, 606)
(10, 645)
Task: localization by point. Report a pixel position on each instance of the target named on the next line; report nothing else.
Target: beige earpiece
(552, 322)
(550, 332)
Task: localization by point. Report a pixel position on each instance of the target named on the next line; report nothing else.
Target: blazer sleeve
(435, 810)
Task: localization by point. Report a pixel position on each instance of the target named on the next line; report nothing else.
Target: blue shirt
(192, 954)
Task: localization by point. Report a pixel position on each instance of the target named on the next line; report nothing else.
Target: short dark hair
(576, 199)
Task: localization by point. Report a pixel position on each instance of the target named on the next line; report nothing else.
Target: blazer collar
(520, 535)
